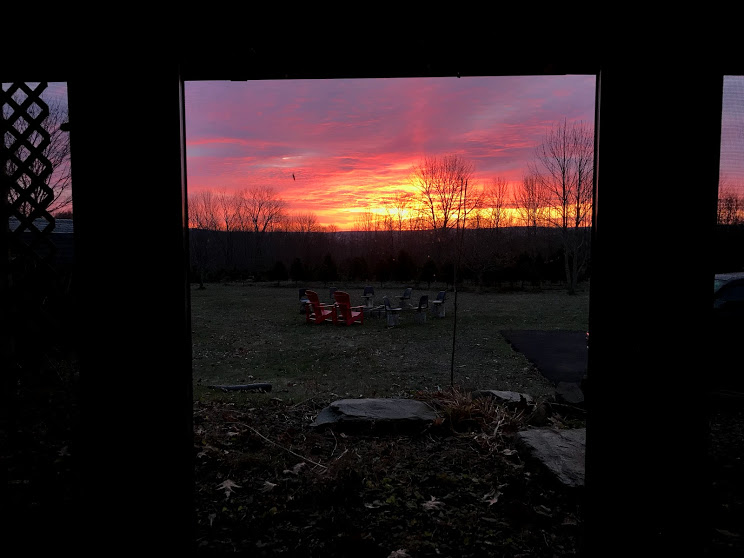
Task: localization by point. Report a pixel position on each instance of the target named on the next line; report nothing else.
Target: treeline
(510, 257)
(446, 217)
(482, 258)
(446, 227)
(730, 204)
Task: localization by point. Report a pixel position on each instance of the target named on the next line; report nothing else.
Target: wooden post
(660, 473)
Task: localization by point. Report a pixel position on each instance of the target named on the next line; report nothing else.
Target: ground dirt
(269, 484)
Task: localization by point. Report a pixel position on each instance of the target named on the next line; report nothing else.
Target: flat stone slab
(391, 413)
(562, 452)
(569, 392)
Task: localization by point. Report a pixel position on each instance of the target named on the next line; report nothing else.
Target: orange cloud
(351, 144)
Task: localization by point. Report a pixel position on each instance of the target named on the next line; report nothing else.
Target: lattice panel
(26, 173)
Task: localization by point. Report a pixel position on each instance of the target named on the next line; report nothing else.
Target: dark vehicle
(728, 329)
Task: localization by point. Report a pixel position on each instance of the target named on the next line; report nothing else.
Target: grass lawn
(459, 488)
(249, 333)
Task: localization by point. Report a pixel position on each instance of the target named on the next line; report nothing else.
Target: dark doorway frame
(128, 157)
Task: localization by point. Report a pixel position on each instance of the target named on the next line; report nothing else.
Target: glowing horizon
(336, 148)
(351, 143)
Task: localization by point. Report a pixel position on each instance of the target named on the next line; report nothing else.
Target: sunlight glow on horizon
(351, 143)
(340, 148)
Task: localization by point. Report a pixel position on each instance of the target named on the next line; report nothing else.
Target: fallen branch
(286, 449)
(335, 445)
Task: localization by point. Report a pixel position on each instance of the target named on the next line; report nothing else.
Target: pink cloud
(349, 142)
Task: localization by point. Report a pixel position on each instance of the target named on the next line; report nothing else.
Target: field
(250, 333)
(269, 484)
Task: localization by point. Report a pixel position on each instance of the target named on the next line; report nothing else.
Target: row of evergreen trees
(337, 258)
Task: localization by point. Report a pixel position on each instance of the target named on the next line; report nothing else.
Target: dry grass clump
(493, 422)
(486, 419)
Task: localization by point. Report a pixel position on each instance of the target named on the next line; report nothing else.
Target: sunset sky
(350, 143)
(732, 134)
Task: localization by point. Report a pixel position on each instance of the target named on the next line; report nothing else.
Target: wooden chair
(391, 314)
(421, 309)
(346, 313)
(319, 312)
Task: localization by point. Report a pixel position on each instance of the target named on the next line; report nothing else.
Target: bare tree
(365, 221)
(564, 168)
(485, 250)
(227, 217)
(441, 182)
(263, 208)
(225, 210)
(260, 211)
(304, 223)
(528, 202)
(54, 166)
(202, 211)
(398, 209)
(202, 216)
(496, 203)
(418, 220)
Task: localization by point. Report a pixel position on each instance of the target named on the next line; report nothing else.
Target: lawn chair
(437, 305)
(304, 302)
(346, 313)
(369, 296)
(405, 298)
(391, 314)
(319, 312)
(421, 309)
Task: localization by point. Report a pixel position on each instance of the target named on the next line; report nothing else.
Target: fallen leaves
(228, 486)
(268, 486)
(432, 504)
(294, 470)
(492, 497)
(410, 493)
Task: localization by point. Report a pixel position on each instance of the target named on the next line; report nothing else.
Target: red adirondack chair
(348, 314)
(319, 312)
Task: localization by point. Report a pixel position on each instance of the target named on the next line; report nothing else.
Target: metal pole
(460, 232)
